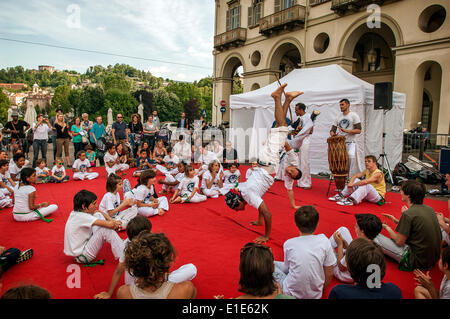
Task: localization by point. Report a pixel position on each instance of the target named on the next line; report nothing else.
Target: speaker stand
(383, 155)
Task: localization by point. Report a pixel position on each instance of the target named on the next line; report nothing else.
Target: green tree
(116, 82)
(4, 106)
(167, 104)
(92, 102)
(61, 97)
(120, 102)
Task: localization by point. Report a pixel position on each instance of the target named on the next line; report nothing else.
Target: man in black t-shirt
(17, 129)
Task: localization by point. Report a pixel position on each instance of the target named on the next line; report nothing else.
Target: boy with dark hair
(367, 226)
(416, 241)
(362, 254)
(426, 288)
(261, 178)
(367, 185)
(308, 259)
(19, 163)
(88, 229)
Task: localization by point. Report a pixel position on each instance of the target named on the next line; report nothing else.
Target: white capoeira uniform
(186, 188)
(171, 162)
(301, 143)
(145, 195)
(230, 180)
(214, 191)
(269, 154)
(290, 159)
(6, 180)
(206, 159)
(184, 273)
(5, 200)
(116, 167)
(343, 276)
(22, 211)
(171, 179)
(82, 173)
(111, 201)
(256, 186)
(83, 241)
(348, 122)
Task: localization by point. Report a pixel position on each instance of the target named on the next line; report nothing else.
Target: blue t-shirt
(120, 130)
(98, 131)
(386, 291)
(141, 160)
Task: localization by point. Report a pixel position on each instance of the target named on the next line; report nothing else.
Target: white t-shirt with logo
(207, 177)
(5, 178)
(109, 202)
(59, 172)
(144, 194)
(187, 185)
(41, 171)
(256, 186)
(305, 257)
(81, 166)
(231, 178)
(110, 158)
(347, 122)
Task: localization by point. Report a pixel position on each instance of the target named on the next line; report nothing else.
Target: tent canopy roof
(321, 85)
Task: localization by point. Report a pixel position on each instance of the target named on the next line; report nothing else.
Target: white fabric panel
(323, 87)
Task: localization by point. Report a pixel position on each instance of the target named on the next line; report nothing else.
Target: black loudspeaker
(444, 161)
(383, 96)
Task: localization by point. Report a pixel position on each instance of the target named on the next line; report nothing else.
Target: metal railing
(293, 15)
(343, 5)
(234, 36)
(424, 146)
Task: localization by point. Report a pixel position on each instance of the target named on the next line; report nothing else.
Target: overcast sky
(179, 31)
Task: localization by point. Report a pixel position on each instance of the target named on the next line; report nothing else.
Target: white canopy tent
(252, 115)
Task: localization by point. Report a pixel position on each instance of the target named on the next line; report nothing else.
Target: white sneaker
(336, 198)
(346, 202)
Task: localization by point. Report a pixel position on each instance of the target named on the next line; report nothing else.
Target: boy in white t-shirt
(58, 173)
(136, 226)
(147, 201)
(113, 206)
(186, 191)
(81, 168)
(231, 178)
(88, 229)
(18, 164)
(367, 226)
(172, 181)
(171, 161)
(112, 161)
(307, 269)
(261, 179)
(42, 172)
(249, 172)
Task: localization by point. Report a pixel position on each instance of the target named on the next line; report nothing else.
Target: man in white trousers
(348, 124)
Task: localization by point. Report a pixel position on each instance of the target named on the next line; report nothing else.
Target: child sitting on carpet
(231, 178)
(212, 180)
(137, 225)
(426, 288)
(256, 268)
(360, 255)
(249, 172)
(59, 173)
(19, 163)
(307, 269)
(42, 172)
(367, 226)
(91, 155)
(112, 160)
(147, 201)
(6, 182)
(25, 209)
(171, 161)
(186, 191)
(87, 230)
(149, 257)
(143, 163)
(172, 181)
(112, 205)
(81, 168)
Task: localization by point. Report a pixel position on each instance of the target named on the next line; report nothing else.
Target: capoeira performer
(261, 179)
(349, 124)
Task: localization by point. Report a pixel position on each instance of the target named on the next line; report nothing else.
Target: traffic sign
(223, 103)
(223, 109)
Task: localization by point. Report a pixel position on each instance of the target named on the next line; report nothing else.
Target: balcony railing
(288, 18)
(341, 6)
(232, 38)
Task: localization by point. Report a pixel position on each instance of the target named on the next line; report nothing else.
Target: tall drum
(338, 160)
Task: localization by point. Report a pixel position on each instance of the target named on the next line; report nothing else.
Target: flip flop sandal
(25, 255)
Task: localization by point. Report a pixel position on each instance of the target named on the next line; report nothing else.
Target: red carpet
(207, 234)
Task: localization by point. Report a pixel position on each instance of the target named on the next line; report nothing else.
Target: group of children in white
(310, 260)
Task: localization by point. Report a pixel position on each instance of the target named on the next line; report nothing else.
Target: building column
(444, 103)
(222, 91)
